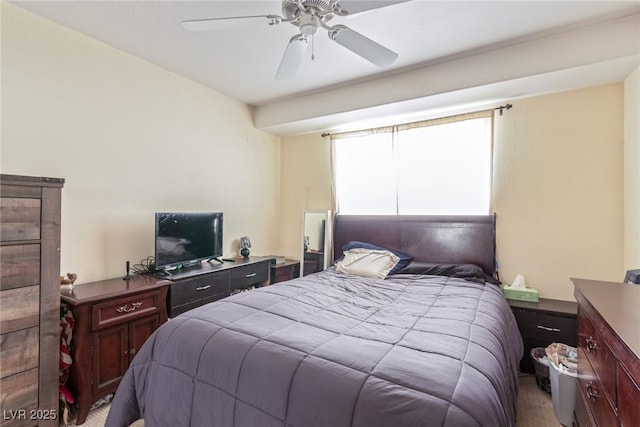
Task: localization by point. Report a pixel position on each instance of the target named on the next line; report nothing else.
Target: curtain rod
(501, 108)
(504, 107)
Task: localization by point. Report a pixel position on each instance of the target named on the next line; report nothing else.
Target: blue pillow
(404, 258)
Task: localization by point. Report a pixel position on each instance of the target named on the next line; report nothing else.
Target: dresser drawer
(19, 391)
(19, 266)
(582, 413)
(598, 354)
(248, 275)
(590, 387)
(179, 309)
(198, 288)
(126, 308)
(20, 308)
(19, 351)
(20, 218)
(628, 399)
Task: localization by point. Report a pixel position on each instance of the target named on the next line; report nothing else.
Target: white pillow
(368, 262)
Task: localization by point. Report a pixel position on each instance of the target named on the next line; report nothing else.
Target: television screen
(185, 239)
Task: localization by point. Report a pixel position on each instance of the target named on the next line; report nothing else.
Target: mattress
(332, 349)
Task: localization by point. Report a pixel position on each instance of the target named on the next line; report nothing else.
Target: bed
(336, 349)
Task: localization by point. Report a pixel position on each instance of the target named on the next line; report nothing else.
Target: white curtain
(441, 166)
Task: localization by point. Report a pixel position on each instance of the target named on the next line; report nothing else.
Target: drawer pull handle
(251, 275)
(202, 288)
(592, 393)
(125, 308)
(546, 328)
(592, 345)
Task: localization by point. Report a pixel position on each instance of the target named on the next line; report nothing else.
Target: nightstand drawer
(124, 309)
(546, 327)
(198, 288)
(249, 275)
(283, 271)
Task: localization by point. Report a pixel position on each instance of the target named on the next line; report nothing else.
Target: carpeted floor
(535, 408)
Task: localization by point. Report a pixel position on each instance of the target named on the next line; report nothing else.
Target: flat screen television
(184, 239)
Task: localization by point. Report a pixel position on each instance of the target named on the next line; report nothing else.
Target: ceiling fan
(308, 16)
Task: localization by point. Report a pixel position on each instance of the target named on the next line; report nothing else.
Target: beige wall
(306, 186)
(130, 139)
(632, 171)
(557, 187)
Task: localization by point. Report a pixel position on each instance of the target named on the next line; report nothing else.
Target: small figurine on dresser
(69, 279)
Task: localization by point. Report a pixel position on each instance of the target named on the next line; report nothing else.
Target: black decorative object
(245, 244)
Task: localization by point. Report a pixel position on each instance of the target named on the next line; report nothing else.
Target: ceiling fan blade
(229, 23)
(292, 57)
(363, 46)
(356, 6)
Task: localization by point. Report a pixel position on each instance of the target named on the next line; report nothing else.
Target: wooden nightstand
(287, 270)
(113, 318)
(313, 262)
(544, 322)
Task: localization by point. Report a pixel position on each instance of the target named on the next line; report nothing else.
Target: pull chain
(313, 47)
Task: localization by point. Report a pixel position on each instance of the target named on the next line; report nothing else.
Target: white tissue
(518, 282)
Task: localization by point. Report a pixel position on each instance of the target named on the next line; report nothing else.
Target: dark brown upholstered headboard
(468, 239)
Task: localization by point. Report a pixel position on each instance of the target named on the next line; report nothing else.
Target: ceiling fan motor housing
(291, 9)
(308, 15)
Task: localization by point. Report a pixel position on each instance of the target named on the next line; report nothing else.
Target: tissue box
(526, 294)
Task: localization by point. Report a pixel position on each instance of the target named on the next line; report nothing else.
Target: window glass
(445, 169)
(441, 169)
(365, 178)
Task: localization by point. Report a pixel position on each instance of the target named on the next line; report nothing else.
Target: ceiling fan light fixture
(363, 46)
(309, 24)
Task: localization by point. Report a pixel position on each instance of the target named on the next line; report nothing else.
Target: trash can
(541, 366)
(562, 360)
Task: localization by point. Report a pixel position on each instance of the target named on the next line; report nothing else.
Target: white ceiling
(434, 39)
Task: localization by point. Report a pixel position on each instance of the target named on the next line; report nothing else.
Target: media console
(195, 286)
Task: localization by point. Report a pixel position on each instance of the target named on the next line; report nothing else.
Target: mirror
(316, 241)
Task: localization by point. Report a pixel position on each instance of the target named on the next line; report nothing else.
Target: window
(435, 167)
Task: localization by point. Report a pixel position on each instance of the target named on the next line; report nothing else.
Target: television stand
(162, 273)
(210, 281)
(215, 258)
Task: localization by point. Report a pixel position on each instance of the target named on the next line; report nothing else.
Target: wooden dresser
(113, 319)
(29, 286)
(608, 390)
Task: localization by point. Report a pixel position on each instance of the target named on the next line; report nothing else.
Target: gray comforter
(332, 350)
